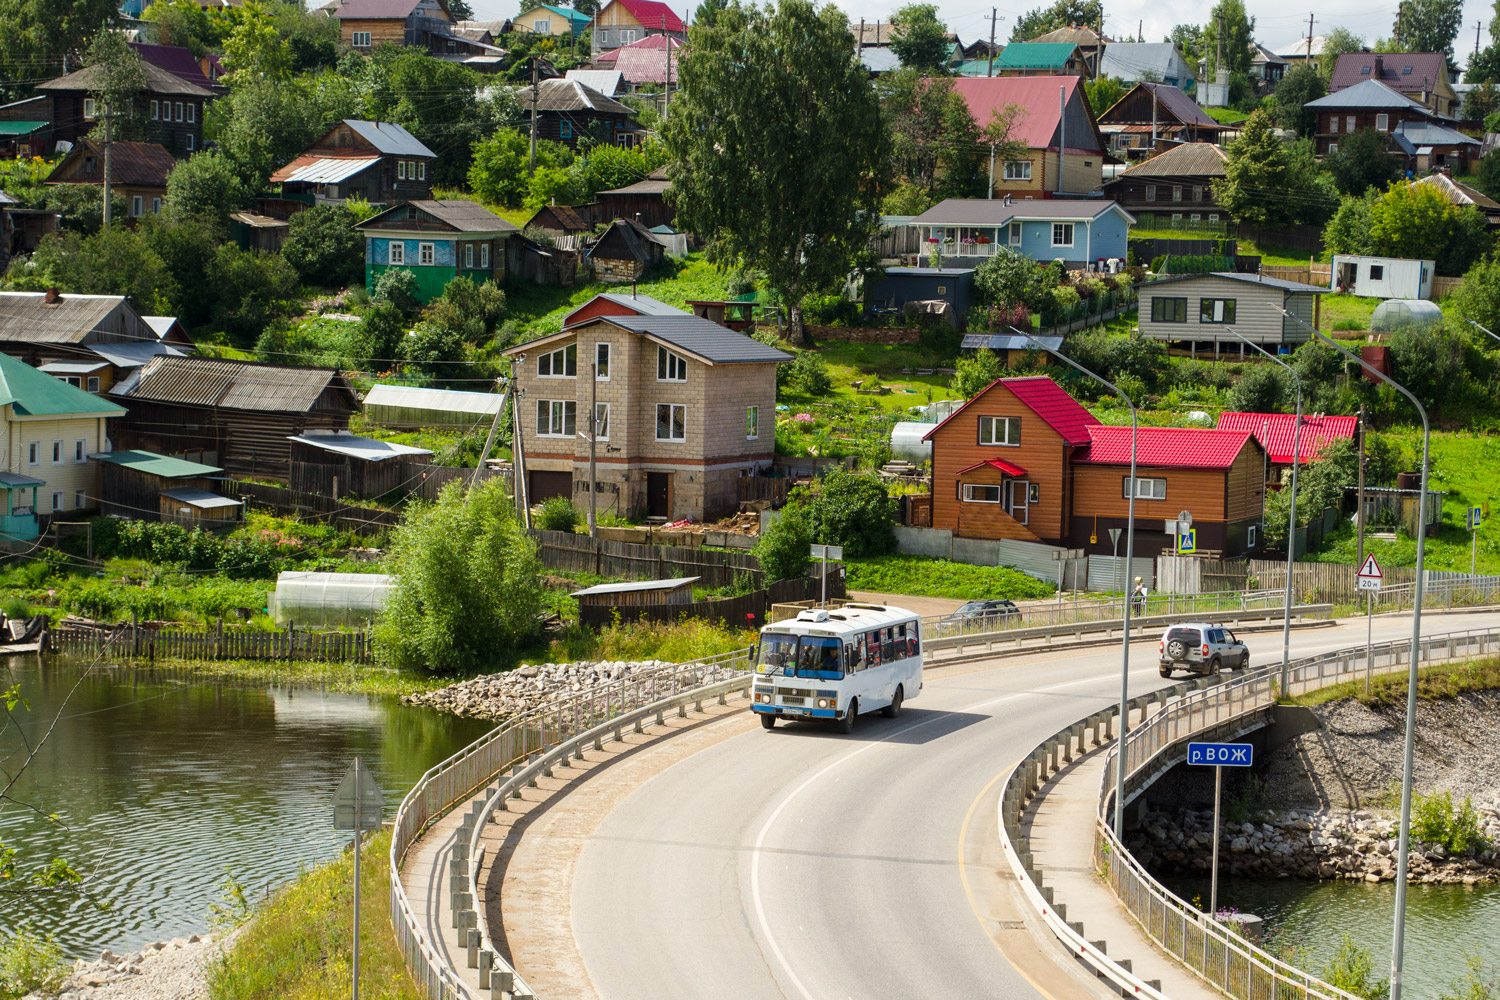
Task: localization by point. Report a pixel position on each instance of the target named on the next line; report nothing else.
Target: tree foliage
(1417, 221)
(1189, 41)
(114, 261)
(1238, 28)
(1268, 183)
(1263, 388)
(763, 90)
(324, 247)
(920, 39)
(467, 583)
(1430, 363)
(1340, 41)
(262, 124)
(185, 24)
(437, 101)
(1362, 161)
(842, 508)
(39, 34)
(1007, 277)
(1428, 26)
(976, 372)
(119, 76)
(1061, 14)
(935, 144)
(1293, 91)
(1348, 232)
(1103, 92)
(1478, 296)
(205, 184)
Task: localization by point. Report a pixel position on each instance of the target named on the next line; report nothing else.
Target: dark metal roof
(463, 215)
(570, 95)
(1248, 279)
(702, 338)
(28, 316)
(995, 212)
(237, 385)
(158, 81)
(1368, 94)
(1183, 107)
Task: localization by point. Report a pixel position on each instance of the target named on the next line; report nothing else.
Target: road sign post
(826, 554)
(357, 805)
(1476, 517)
(1369, 579)
(1220, 756)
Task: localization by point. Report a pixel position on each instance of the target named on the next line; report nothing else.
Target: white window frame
(155, 206)
(400, 170)
(542, 26)
(752, 423)
(667, 364)
(1150, 192)
(426, 254)
(72, 380)
(421, 166)
(681, 422)
(1213, 217)
(192, 110)
(554, 414)
(1002, 432)
(180, 112)
(360, 40)
(484, 255)
(190, 142)
(1176, 192)
(1383, 123)
(57, 501)
(1195, 217)
(80, 450)
(601, 361)
(155, 111)
(1250, 537)
(469, 256)
(33, 453)
(1349, 125)
(1145, 489)
(1333, 147)
(601, 421)
(57, 453)
(627, 35)
(558, 362)
(1018, 170)
(970, 489)
(1068, 229)
(90, 108)
(1333, 125)
(1017, 231)
(137, 206)
(396, 253)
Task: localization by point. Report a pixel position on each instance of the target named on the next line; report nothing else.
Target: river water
(1445, 924)
(163, 781)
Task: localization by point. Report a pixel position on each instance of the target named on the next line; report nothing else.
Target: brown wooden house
(566, 111)
(147, 486)
(236, 414)
(1173, 189)
(1151, 114)
(169, 110)
(364, 24)
(621, 22)
(645, 201)
(138, 172)
(380, 162)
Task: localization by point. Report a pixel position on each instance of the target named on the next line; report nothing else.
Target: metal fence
(1113, 609)
(459, 777)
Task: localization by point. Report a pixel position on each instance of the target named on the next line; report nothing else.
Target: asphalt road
(803, 864)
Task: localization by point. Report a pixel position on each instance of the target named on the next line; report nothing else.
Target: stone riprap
(530, 686)
(167, 970)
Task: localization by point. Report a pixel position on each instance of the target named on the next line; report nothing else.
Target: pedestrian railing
(1437, 594)
(1074, 612)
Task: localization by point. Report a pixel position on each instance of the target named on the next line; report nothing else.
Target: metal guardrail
(1225, 960)
(458, 778)
(1437, 594)
(1112, 609)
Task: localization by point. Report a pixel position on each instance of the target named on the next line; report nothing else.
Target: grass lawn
(1445, 680)
(1346, 313)
(917, 576)
(539, 309)
(1226, 116)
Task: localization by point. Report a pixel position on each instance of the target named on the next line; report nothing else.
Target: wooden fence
(1305, 274)
(744, 611)
(364, 520)
(140, 642)
(579, 553)
(772, 488)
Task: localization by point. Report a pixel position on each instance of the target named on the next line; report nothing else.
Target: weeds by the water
(1473, 984)
(675, 642)
(30, 962)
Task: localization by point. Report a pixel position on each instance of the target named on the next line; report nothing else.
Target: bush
(829, 310)
(323, 246)
(842, 508)
(975, 372)
(1351, 969)
(250, 289)
(1430, 363)
(1262, 389)
(1435, 821)
(558, 514)
(31, 963)
(398, 286)
(808, 374)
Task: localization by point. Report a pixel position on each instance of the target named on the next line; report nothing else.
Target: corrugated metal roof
(1276, 432)
(1035, 55)
(21, 128)
(702, 338)
(153, 464)
(323, 169)
(477, 404)
(570, 95)
(1036, 126)
(202, 499)
(1246, 279)
(27, 316)
(1166, 447)
(34, 393)
(237, 385)
(158, 81)
(71, 367)
(996, 463)
(363, 448)
(1367, 94)
(605, 81)
(1191, 159)
(1045, 398)
(652, 14)
(388, 137)
(637, 585)
(1432, 134)
(1005, 341)
(463, 215)
(995, 212)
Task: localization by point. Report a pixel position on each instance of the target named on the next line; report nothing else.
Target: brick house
(169, 109)
(380, 162)
(437, 241)
(620, 22)
(685, 408)
(1024, 461)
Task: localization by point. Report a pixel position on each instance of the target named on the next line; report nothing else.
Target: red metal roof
(1276, 432)
(1166, 447)
(1036, 126)
(1046, 399)
(995, 463)
(653, 14)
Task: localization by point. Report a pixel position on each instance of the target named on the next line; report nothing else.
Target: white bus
(836, 664)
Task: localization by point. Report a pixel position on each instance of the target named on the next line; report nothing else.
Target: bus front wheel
(894, 708)
(767, 721)
(846, 724)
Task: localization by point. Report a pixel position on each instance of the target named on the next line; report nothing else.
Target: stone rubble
(166, 970)
(529, 686)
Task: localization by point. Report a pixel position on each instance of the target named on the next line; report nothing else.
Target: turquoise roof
(158, 465)
(37, 394)
(573, 16)
(1035, 55)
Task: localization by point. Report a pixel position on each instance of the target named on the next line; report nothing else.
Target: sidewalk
(1060, 823)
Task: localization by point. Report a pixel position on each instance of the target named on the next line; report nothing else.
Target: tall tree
(708, 11)
(1268, 183)
(1228, 23)
(1428, 26)
(1293, 91)
(1418, 221)
(1363, 161)
(1189, 41)
(920, 40)
(765, 90)
(1340, 41)
(38, 36)
(1061, 14)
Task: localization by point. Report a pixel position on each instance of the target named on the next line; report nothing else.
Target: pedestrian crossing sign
(1187, 542)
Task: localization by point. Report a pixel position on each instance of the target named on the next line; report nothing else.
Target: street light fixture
(1125, 598)
(1486, 329)
(1291, 528)
(1398, 938)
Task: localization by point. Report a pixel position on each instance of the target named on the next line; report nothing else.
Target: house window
(1216, 310)
(192, 110)
(1213, 218)
(1167, 310)
(601, 421)
(1033, 493)
(1176, 192)
(190, 142)
(421, 166)
(1250, 536)
(34, 453)
(135, 206)
(398, 253)
(1062, 234)
(561, 363)
(1195, 218)
(976, 493)
(670, 367)
(179, 111)
(627, 35)
(1000, 430)
(1377, 272)
(565, 129)
(468, 255)
(1333, 125)
(1333, 147)
(752, 423)
(556, 418)
(1348, 123)
(541, 26)
(1150, 192)
(425, 254)
(400, 170)
(671, 422)
(1015, 234)
(155, 110)
(155, 206)
(1176, 216)
(57, 503)
(1145, 489)
(89, 108)
(1018, 170)
(78, 449)
(57, 453)
(361, 40)
(601, 362)
(1197, 193)
(72, 380)
(1383, 123)
(93, 383)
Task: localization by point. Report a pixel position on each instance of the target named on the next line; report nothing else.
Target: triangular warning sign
(1371, 569)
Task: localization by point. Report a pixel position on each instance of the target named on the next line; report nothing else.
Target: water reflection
(161, 781)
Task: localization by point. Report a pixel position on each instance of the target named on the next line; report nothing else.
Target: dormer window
(1406, 71)
(1364, 71)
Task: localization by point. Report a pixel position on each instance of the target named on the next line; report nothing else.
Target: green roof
(1035, 55)
(21, 128)
(571, 15)
(153, 464)
(37, 394)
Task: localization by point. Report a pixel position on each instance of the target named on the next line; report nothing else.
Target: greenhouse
(907, 443)
(409, 406)
(316, 600)
(1404, 314)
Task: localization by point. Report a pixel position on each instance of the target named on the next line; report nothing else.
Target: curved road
(807, 865)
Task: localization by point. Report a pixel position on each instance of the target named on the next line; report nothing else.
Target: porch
(18, 515)
(994, 501)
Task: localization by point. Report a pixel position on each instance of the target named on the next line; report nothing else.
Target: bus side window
(914, 640)
(873, 649)
(851, 658)
(887, 645)
(859, 652)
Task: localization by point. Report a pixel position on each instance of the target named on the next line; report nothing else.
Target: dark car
(984, 612)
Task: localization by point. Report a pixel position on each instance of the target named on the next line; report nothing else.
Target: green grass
(1226, 116)
(1445, 680)
(673, 642)
(539, 309)
(917, 576)
(1347, 316)
(297, 945)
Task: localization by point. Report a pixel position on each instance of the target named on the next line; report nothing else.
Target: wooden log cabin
(1024, 461)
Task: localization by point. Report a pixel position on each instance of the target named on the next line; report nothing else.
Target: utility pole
(1477, 25)
(108, 121)
(1062, 134)
(1359, 515)
(535, 86)
(994, 16)
(1309, 36)
(1140, 31)
(593, 440)
(1099, 44)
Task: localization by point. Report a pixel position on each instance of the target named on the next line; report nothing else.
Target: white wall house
(1381, 277)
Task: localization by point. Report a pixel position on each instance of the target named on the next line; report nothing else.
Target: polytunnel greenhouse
(321, 599)
(1405, 314)
(907, 443)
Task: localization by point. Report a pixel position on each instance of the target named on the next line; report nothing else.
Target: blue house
(436, 241)
(1079, 233)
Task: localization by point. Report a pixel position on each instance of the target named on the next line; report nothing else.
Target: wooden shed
(198, 508)
(638, 593)
(136, 484)
(342, 464)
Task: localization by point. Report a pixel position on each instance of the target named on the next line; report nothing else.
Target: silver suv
(1201, 648)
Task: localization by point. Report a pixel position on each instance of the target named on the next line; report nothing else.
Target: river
(162, 782)
(1445, 924)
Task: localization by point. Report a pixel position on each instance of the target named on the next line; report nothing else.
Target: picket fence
(142, 642)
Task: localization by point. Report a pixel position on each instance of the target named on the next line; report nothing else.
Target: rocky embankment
(166, 970)
(1322, 806)
(530, 686)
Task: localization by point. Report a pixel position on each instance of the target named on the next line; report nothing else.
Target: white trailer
(1381, 277)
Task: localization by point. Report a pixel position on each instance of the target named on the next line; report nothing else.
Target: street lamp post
(1291, 528)
(1404, 840)
(1125, 602)
(1486, 329)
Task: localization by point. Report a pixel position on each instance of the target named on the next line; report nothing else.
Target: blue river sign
(1221, 754)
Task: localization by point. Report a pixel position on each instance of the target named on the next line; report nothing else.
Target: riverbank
(528, 687)
(164, 970)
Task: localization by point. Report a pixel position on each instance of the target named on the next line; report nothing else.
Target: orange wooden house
(1023, 460)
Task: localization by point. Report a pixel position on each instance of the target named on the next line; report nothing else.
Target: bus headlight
(822, 702)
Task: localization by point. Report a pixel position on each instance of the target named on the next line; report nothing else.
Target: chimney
(1379, 66)
(52, 298)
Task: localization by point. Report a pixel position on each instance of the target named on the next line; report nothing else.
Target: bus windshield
(800, 656)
